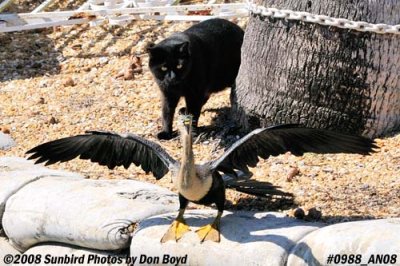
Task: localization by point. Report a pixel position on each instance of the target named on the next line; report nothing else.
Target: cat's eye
(163, 68)
(179, 66)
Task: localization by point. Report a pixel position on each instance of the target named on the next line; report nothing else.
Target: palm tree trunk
(320, 76)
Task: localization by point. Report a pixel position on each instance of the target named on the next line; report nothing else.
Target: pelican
(198, 183)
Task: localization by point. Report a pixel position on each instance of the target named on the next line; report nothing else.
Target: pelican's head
(185, 124)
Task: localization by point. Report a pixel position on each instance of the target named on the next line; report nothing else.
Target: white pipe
(125, 11)
(5, 4)
(119, 16)
(118, 20)
(85, 6)
(43, 6)
(44, 25)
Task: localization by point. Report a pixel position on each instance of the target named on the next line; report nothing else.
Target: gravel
(60, 82)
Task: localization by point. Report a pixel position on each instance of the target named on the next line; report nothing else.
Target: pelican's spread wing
(107, 148)
(272, 141)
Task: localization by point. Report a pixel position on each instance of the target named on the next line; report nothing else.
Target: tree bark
(320, 76)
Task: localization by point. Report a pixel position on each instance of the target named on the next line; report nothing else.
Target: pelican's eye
(163, 68)
(179, 66)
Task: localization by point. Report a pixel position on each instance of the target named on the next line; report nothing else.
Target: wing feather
(292, 138)
(107, 148)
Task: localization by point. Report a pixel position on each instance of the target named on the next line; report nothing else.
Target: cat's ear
(149, 47)
(183, 49)
(154, 51)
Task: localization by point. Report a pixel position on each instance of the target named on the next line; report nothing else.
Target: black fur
(194, 64)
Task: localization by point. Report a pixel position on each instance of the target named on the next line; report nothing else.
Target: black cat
(193, 64)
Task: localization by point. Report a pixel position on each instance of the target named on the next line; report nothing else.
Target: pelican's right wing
(107, 148)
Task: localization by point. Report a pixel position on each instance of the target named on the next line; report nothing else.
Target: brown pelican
(201, 184)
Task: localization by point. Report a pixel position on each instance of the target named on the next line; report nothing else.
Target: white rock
(87, 213)
(373, 237)
(6, 141)
(57, 254)
(103, 60)
(8, 164)
(6, 248)
(247, 238)
(16, 172)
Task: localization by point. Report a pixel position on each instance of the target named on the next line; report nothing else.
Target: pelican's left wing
(272, 141)
(107, 148)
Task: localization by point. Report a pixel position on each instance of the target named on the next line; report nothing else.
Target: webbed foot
(209, 232)
(176, 230)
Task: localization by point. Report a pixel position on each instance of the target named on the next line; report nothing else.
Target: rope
(323, 20)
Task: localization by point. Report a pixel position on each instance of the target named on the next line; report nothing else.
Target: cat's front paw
(165, 135)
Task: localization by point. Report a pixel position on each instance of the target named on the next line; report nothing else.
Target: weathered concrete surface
(58, 254)
(374, 237)
(6, 141)
(48, 206)
(17, 172)
(6, 248)
(247, 238)
(87, 213)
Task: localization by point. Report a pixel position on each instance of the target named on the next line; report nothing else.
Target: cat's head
(170, 59)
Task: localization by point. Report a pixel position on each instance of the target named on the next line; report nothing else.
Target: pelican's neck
(187, 172)
(192, 183)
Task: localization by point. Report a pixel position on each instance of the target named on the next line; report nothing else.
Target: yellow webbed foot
(209, 232)
(175, 232)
